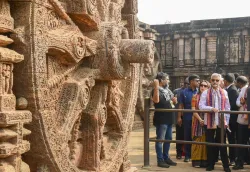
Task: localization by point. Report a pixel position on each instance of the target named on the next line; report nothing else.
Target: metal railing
(147, 110)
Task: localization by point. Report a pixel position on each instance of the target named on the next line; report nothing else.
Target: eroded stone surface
(80, 77)
(6, 21)
(4, 40)
(12, 131)
(147, 71)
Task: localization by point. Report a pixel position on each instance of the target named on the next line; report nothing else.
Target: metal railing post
(146, 132)
(222, 125)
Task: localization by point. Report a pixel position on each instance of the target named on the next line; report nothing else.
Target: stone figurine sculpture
(79, 78)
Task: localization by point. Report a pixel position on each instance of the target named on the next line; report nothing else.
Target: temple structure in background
(204, 47)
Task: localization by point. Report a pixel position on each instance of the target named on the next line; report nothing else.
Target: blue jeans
(187, 137)
(163, 132)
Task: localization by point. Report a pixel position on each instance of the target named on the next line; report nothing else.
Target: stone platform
(135, 149)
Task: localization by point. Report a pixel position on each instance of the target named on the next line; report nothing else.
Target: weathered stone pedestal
(12, 130)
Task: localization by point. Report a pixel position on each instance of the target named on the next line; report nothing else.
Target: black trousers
(232, 137)
(243, 137)
(213, 136)
(179, 136)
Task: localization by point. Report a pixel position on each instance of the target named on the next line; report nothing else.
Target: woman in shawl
(198, 152)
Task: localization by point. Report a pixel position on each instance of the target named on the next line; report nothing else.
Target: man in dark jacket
(248, 104)
(185, 103)
(233, 125)
(179, 128)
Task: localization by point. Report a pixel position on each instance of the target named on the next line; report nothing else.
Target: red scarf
(211, 102)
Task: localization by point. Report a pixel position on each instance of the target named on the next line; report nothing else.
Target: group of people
(222, 93)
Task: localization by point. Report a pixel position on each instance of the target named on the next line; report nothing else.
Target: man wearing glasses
(233, 94)
(185, 103)
(215, 99)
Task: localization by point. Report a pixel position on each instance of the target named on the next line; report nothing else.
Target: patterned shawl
(167, 93)
(245, 105)
(245, 97)
(211, 102)
(197, 129)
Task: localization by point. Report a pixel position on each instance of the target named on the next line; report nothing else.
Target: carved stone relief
(80, 76)
(12, 122)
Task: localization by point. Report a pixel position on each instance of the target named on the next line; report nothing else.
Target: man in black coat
(248, 104)
(233, 125)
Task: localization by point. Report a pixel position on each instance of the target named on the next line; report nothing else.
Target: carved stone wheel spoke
(98, 137)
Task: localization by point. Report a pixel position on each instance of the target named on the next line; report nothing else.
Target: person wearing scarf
(243, 131)
(199, 152)
(215, 99)
(163, 98)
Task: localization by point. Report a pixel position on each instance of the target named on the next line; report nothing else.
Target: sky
(177, 11)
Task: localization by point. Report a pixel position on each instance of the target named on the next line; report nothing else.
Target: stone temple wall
(76, 76)
(204, 47)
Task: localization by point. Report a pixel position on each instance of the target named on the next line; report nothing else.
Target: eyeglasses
(201, 85)
(217, 80)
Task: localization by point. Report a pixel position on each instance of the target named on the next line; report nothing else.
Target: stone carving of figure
(80, 46)
(114, 97)
(116, 94)
(6, 78)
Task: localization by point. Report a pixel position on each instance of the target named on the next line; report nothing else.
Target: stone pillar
(12, 145)
(197, 51)
(203, 51)
(181, 51)
(163, 52)
(246, 58)
(211, 50)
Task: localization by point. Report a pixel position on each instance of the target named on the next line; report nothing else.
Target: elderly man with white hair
(215, 99)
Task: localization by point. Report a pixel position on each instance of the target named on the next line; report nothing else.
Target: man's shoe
(227, 169)
(178, 157)
(186, 159)
(162, 164)
(170, 162)
(232, 163)
(238, 167)
(210, 168)
(247, 162)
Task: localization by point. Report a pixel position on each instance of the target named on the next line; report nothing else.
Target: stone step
(4, 40)
(7, 149)
(26, 132)
(6, 134)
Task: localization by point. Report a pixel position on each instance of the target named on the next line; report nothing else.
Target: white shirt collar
(229, 85)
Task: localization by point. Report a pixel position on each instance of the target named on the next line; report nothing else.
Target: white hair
(216, 75)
